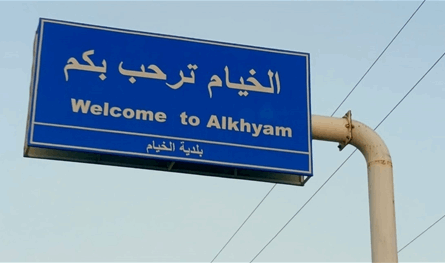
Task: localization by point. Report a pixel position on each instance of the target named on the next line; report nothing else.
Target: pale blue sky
(62, 211)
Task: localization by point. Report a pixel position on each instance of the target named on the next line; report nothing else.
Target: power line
(304, 205)
(426, 73)
(409, 19)
(244, 222)
(366, 73)
(387, 115)
(421, 234)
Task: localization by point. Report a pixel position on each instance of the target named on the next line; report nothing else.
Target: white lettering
(113, 112)
(233, 124)
(227, 123)
(220, 123)
(194, 121)
(256, 129)
(106, 109)
(213, 122)
(283, 131)
(183, 118)
(96, 110)
(223, 122)
(128, 113)
(85, 107)
(160, 117)
(80, 104)
(144, 115)
(268, 130)
(244, 125)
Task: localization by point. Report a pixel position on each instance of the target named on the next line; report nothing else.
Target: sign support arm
(380, 179)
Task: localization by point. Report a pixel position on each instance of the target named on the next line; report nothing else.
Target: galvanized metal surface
(163, 165)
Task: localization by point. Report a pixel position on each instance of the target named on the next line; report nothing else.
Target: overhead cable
(355, 86)
(316, 192)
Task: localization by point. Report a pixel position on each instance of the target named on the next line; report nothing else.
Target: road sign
(121, 97)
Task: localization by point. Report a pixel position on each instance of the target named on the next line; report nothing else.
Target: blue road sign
(112, 91)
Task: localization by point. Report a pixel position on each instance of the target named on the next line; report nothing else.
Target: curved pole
(380, 179)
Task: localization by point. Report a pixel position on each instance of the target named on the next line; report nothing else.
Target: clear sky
(63, 211)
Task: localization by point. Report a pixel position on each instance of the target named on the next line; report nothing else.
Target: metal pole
(380, 178)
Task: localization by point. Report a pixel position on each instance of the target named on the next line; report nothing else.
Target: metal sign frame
(47, 150)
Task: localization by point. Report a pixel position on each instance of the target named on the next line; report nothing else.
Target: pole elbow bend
(363, 137)
(380, 178)
(370, 144)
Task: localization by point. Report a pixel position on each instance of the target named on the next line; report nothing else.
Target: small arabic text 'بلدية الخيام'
(187, 150)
